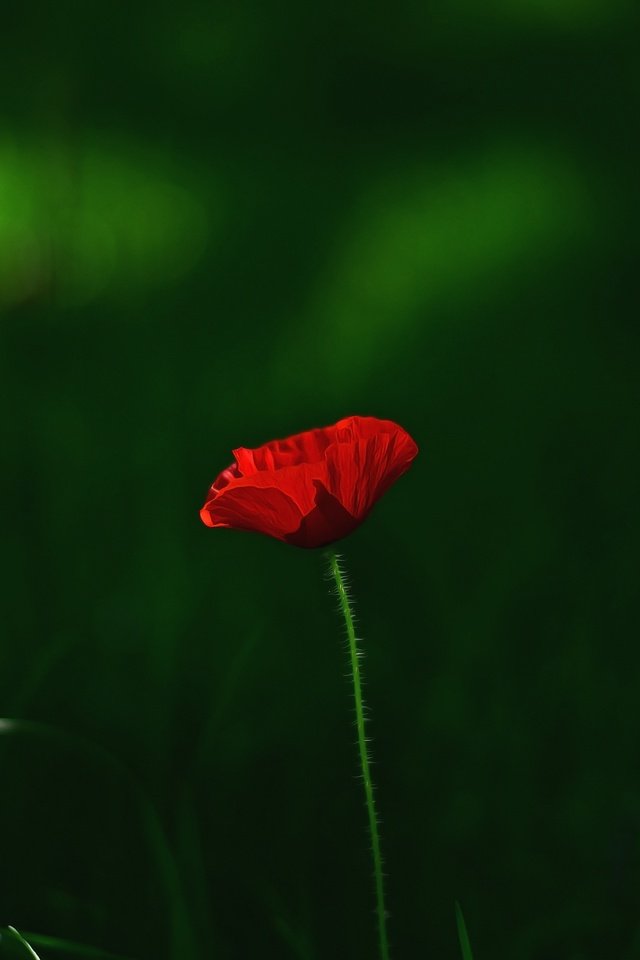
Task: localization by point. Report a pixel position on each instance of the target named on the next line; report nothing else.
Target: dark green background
(222, 223)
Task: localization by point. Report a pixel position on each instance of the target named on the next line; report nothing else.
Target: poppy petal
(252, 502)
(307, 447)
(328, 521)
(314, 487)
(226, 477)
(364, 428)
(264, 509)
(361, 471)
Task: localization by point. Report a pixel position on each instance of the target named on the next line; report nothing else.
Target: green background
(223, 223)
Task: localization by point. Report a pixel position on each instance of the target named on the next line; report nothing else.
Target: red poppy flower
(314, 487)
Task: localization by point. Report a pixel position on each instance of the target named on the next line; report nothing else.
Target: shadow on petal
(328, 521)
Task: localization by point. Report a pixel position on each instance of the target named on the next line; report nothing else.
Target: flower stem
(365, 762)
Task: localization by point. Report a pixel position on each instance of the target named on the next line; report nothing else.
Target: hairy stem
(365, 762)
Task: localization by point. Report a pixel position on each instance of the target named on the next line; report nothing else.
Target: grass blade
(15, 937)
(463, 936)
(183, 945)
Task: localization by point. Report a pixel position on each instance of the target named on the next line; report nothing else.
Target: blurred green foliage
(220, 224)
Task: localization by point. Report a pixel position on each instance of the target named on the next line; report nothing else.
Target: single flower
(314, 487)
